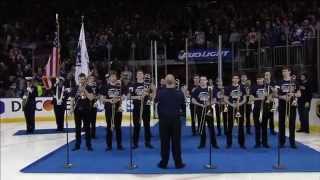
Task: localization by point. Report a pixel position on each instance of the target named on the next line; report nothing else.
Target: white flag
(82, 60)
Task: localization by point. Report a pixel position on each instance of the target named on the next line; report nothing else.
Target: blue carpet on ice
(251, 160)
(41, 131)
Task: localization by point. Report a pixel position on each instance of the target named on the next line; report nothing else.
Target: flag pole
(187, 69)
(58, 41)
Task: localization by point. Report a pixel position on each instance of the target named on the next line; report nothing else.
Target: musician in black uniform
(191, 89)
(247, 107)
(141, 99)
(81, 96)
(269, 112)
(304, 102)
(111, 96)
(201, 99)
(93, 111)
(60, 97)
(235, 98)
(218, 92)
(258, 96)
(29, 104)
(170, 102)
(287, 93)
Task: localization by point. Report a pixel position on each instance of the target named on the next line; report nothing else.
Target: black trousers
(282, 123)
(270, 117)
(230, 123)
(82, 116)
(29, 114)
(247, 116)
(193, 119)
(261, 125)
(116, 127)
(219, 109)
(209, 120)
(303, 115)
(93, 120)
(170, 135)
(137, 125)
(59, 111)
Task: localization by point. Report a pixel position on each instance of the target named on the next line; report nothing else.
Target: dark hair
(82, 75)
(236, 74)
(113, 73)
(139, 70)
(260, 75)
(196, 75)
(286, 68)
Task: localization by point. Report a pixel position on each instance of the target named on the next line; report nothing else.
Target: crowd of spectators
(118, 24)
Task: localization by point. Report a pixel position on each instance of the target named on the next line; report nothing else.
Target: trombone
(177, 84)
(146, 88)
(288, 100)
(204, 112)
(205, 100)
(115, 95)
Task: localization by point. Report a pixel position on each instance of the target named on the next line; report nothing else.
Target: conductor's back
(170, 102)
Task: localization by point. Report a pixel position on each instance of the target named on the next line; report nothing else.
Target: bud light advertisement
(206, 55)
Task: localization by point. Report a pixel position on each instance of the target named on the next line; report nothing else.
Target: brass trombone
(146, 88)
(115, 95)
(205, 100)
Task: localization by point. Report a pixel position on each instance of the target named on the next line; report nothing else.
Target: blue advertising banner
(209, 54)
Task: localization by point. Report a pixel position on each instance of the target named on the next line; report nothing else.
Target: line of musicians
(235, 103)
(225, 105)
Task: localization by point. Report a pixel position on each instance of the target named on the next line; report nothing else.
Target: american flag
(53, 65)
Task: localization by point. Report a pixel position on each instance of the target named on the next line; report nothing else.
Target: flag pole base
(210, 166)
(278, 166)
(132, 166)
(67, 165)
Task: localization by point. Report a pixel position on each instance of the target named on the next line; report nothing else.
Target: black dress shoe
(108, 148)
(281, 146)
(149, 146)
(180, 166)
(273, 133)
(300, 130)
(120, 148)
(215, 146)
(162, 166)
(135, 147)
(266, 146)
(257, 146)
(228, 146)
(89, 148)
(76, 148)
(243, 147)
(293, 146)
(201, 146)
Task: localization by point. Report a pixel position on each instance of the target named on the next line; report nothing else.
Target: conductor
(170, 102)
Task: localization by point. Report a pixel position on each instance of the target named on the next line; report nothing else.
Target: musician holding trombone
(191, 89)
(111, 97)
(288, 93)
(81, 96)
(235, 97)
(141, 97)
(201, 99)
(261, 97)
(94, 104)
(270, 85)
(220, 106)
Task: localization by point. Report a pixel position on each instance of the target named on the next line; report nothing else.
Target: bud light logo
(205, 55)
